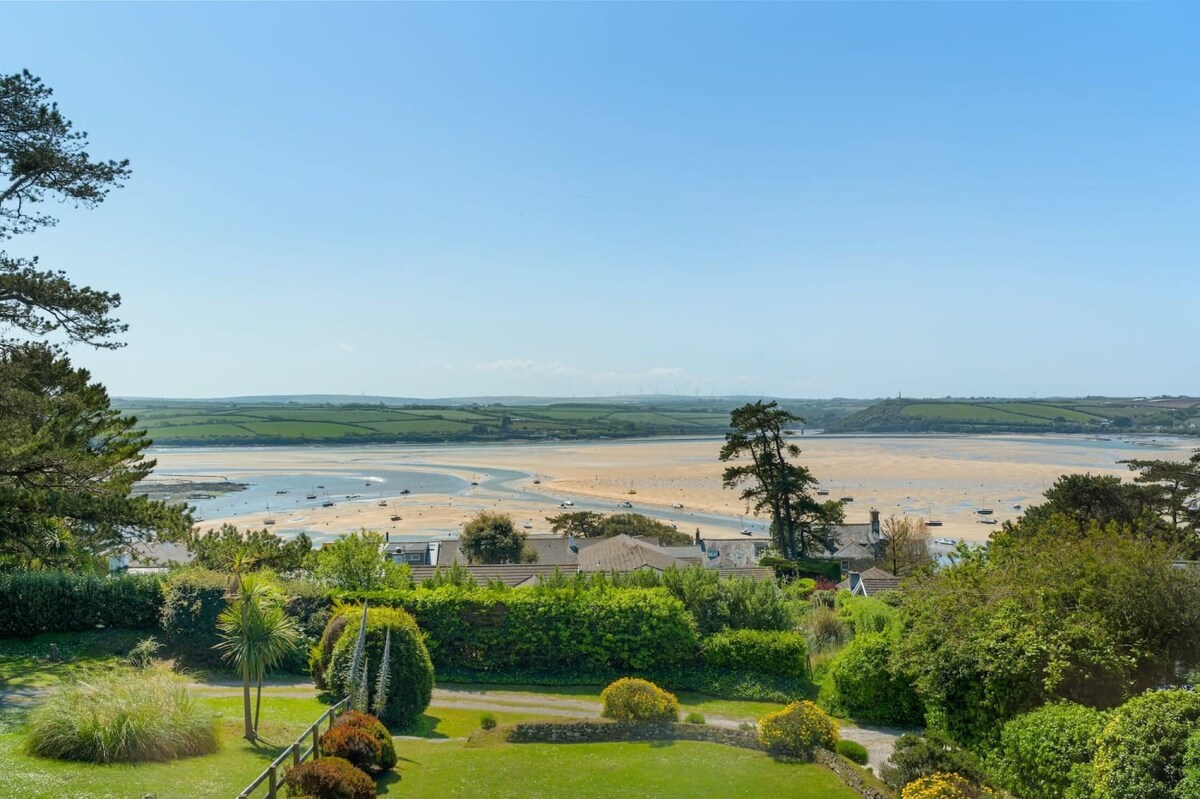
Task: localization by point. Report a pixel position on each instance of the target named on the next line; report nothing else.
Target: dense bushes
(1044, 752)
(866, 687)
(852, 750)
(633, 699)
(365, 721)
(1140, 750)
(192, 601)
(36, 602)
(351, 743)
(550, 631)
(410, 672)
(329, 778)
(783, 654)
(125, 716)
(719, 603)
(797, 730)
(945, 786)
(915, 756)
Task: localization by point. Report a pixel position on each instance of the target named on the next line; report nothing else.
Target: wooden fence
(297, 753)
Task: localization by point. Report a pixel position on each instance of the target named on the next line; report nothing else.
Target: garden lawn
(217, 776)
(25, 665)
(666, 770)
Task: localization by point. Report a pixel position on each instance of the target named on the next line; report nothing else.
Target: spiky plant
(356, 662)
(381, 688)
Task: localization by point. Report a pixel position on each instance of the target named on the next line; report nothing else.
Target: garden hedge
(865, 686)
(192, 601)
(626, 630)
(38, 602)
(1140, 751)
(782, 654)
(1044, 752)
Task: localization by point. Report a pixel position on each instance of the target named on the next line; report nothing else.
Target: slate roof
(873, 581)
(624, 554)
(513, 574)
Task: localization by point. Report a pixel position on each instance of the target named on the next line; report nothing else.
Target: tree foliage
(1087, 614)
(229, 549)
(588, 524)
(905, 546)
(356, 562)
(493, 538)
(772, 483)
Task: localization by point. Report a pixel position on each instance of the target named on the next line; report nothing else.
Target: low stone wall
(850, 774)
(603, 731)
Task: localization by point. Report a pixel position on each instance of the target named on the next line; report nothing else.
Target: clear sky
(801, 200)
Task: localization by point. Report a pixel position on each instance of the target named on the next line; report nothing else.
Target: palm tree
(256, 635)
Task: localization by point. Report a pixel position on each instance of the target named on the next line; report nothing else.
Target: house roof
(853, 552)
(512, 574)
(622, 553)
(873, 581)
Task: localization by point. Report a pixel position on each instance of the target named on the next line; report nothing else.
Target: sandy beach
(941, 477)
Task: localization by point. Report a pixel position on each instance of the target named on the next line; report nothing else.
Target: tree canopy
(493, 538)
(588, 524)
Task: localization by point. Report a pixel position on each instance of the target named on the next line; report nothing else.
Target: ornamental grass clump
(797, 730)
(124, 717)
(633, 699)
(329, 778)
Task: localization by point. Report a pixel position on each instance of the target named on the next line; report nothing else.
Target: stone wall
(850, 774)
(603, 731)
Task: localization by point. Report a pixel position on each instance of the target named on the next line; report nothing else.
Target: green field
(1089, 415)
(199, 423)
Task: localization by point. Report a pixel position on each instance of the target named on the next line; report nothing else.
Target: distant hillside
(229, 422)
(1180, 415)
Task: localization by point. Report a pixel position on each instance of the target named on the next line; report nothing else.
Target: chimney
(387, 537)
(875, 524)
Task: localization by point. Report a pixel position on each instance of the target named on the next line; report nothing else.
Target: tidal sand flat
(946, 478)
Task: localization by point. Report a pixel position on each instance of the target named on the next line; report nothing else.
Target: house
(871, 582)
(514, 575)
(147, 557)
(623, 553)
(732, 553)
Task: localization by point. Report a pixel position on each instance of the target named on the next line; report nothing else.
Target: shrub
(867, 615)
(1189, 786)
(1140, 750)
(124, 716)
(142, 655)
(783, 654)
(192, 601)
(487, 721)
(633, 699)
(35, 602)
(552, 631)
(410, 670)
(866, 687)
(801, 588)
(826, 628)
(694, 718)
(322, 652)
(368, 723)
(329, 778)
(914, 757)
(852, 750)
(797, 730)
(351, 743)
(1038, 749)
(945, 786)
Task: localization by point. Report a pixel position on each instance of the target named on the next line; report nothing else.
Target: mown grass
(25, 664)
(602, 771)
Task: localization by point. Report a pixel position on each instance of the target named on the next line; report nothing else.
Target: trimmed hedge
(372, 725)
(192, 601)
(865, 686)
(39, 602)
(633, 699)
(411, 672)
(355, 744)
(329, 778)
(852, 750)
(782, 654)
(626, 630)
(1044, 752)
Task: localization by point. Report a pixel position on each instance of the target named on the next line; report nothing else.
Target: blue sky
(801, 200)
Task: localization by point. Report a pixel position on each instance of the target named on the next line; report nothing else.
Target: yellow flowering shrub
(945, 786)
(632, 699)
(798, 729)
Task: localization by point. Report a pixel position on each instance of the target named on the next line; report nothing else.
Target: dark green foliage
(852, 750)
(917, 756)
(793, 568)
(1140, 750)
(1189, 786)
(773, 484)
(329, 778)
(192, 601)
(36, 602)
(588, 524)
(867, 688)
(719, 603)
(630, 630)
(694, 718)
(779, 653)
(232, 550)
(1088, 615)
(410, 669)
(1040, 750)
(487, 721)
(493, 538)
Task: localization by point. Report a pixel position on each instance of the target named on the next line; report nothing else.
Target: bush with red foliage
(372, 725)
(352, 743)
(329, 778)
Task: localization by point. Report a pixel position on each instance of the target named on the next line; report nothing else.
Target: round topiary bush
(1039, 750)
(329, 778)
(852, 750)
(1139, 753)
(410, 671)
(945, 786)
(797, 730)
(351, 743)
(372, 725)
(126, 717)
(633, 699)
